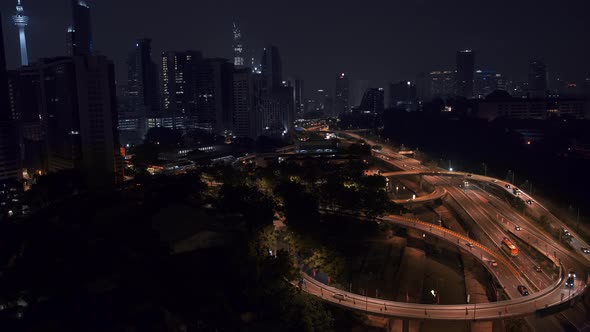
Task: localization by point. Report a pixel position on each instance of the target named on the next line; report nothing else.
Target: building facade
(442, 83)
(465, 71)
(341, 95)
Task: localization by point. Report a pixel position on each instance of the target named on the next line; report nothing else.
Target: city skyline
(337, 46)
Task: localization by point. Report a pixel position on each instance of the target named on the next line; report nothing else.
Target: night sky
(376, 40)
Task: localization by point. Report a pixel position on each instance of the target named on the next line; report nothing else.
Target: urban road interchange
(546, 291)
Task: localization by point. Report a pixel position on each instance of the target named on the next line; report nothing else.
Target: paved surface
(496, 220)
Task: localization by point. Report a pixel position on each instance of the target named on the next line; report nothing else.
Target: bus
(509, 247)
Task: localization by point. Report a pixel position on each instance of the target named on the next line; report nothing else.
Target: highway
(497, 220)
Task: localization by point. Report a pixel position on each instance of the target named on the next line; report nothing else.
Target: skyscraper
(142, 78)
(21, 21)
(75, 100)
(179, 85)
(465, 70)
(298, 94)
(341, 95)
(244, 115)
(373, 101)
(214, 96)
(238, 47)
(82, 31)
(272, 68)
(537, 78)
(9, 151)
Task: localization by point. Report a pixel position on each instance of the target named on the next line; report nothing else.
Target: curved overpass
(553, 295)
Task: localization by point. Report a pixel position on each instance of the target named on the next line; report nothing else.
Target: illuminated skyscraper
(21, 21)
(82, 31)
(238, 47)
(465, 71)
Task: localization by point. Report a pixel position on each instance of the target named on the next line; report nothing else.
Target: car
(572, 274)
(529, 202)
(495, 181)
(522, 290)
(586, 250)
(517, 228)
(569, 283)
(469, 175)
(339, 297)
(469, 244)
(537, 268)
(493, 263)
(508, 186)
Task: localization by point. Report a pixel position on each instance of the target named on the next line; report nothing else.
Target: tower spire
(21, 21)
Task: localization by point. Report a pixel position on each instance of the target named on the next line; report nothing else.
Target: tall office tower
(298, 94)
(142, 90)
(538, 80)
(214, 96)
(373, 101)
(465, 70)
(442, 83)
(82, 30)
(244, 115)
(21, 21)
(76, 104)
(9, 150)
(272, 68)
(142, 81)
(357, 91)
(341, 95)
(179, 86)
(238, 47)
(402, 94)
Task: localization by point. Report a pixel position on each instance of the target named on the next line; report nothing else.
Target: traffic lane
(524, 261)
(493, 310)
